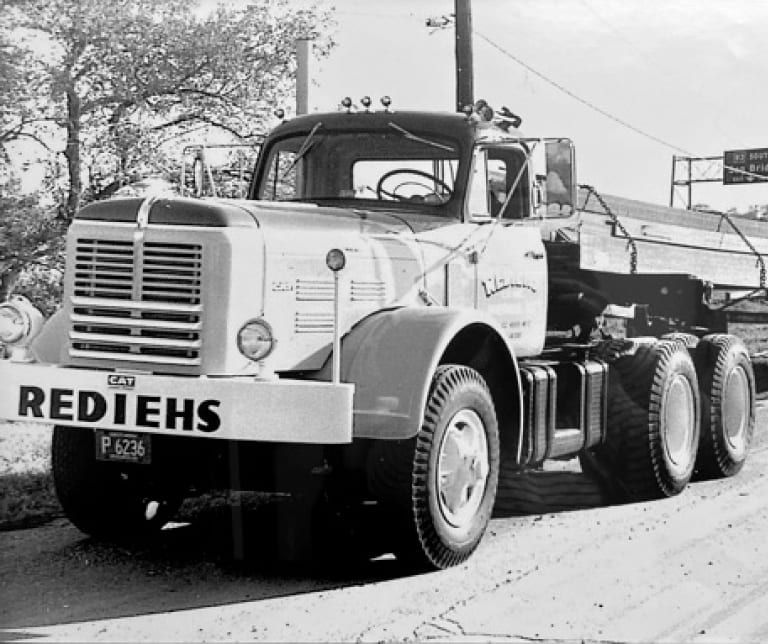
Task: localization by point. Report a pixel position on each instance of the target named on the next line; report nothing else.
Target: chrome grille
(137, 302)
(171, 273)
(104, 269)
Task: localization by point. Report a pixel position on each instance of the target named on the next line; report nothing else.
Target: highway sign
(745, 166)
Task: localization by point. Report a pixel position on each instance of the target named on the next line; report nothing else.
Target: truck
(400, 309)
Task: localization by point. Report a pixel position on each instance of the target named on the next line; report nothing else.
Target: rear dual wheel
(727, 386)
(727, 383)
(653, 422)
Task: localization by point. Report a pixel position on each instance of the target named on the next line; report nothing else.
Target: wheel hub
(679, 419)
(736, 403)
(463, 468)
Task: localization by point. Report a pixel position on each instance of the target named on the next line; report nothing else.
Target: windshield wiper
(412, 137)
(303, 149)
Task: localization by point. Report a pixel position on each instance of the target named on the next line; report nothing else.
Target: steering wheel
(380, 192)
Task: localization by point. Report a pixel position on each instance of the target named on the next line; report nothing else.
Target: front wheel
(441, 487)
(104, 500)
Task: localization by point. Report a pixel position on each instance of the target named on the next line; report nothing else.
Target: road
(688, 569)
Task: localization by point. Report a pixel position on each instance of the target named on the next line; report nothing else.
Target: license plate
(126, 447)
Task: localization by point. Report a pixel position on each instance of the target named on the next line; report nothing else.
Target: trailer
(405, 303)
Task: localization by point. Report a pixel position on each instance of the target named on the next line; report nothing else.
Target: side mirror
(555, 185)
(561, 173)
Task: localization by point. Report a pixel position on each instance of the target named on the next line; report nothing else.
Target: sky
(631, 82)
(690, 75)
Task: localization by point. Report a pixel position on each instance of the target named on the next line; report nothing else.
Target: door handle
(532, 254)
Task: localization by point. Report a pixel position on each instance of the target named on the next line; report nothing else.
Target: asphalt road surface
(688, 569)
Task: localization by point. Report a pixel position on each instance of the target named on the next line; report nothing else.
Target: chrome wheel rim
(679, 423)
(462, 468)
(735, 411)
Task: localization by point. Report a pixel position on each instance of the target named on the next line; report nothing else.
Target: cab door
(511, 264)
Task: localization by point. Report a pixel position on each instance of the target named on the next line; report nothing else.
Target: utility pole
(302, 75)
(464, 71)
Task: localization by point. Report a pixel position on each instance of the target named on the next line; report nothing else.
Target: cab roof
(440, 124)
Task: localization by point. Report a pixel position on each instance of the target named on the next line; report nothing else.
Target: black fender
(391, 357)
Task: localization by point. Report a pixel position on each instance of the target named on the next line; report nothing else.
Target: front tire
(104, 500)
(728, 405)
(440, 488)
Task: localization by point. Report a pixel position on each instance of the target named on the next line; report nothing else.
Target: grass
(27, 496)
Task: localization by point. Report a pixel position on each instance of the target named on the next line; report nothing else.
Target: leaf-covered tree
(130, 71)
(31, 245)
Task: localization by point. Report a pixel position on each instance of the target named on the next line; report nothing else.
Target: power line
(578, 98)
(444, 21)
(599, 110)
(646, 53)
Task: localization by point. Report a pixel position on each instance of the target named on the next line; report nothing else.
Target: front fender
(50, 345)
(391, 357)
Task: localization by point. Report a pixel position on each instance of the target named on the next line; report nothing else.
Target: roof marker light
(484, 111)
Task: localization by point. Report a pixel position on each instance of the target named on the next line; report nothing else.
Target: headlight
(20, 321)
(254, 339)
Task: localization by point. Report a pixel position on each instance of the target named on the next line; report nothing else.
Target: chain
(760, 262)
(630, 241)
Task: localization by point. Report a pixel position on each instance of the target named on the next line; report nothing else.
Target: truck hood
(178, 211)
(288, 216)
(259, 260)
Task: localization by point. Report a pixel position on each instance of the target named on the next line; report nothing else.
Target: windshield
(392, 165)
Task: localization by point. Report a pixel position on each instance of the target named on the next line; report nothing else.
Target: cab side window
(478, 201)
(508, 172)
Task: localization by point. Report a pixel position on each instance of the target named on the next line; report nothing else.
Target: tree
(129, 72)
(18, 116)
(31, 251)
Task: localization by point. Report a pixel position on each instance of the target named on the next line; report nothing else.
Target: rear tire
(727, 383)
(104, 500)
(688, 340)
(653, 422)
(439, 489)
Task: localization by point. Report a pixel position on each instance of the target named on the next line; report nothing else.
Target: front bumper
(234, 408)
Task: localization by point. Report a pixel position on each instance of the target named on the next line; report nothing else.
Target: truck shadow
(234, 548)
(217, 554)
(230, 549)
(548, 491)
